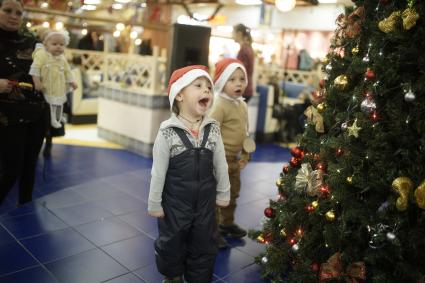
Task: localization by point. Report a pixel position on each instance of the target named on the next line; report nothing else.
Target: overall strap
(206, 133)
(181, 133)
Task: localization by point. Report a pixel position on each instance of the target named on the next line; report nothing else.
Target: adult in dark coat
(23, 111)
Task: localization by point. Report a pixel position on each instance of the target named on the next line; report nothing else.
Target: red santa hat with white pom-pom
(223, 70)
(182, 77)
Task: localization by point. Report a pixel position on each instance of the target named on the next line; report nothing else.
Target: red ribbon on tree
(332, 269)
(354, 22)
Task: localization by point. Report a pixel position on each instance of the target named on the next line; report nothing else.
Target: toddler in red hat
(189, 179)
(231, 111)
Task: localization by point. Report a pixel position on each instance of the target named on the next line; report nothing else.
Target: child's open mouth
(204, 102)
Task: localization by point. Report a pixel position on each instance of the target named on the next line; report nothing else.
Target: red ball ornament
(309, 208)
(339, 152)
(322, 83)
(267, 238)
(315, 267)
(370, 74)
(285, 169)
(297, 152)
(269, 212)
(295, 162)
(324, 191)
(374, 116)
(321, 166)
(368, 94)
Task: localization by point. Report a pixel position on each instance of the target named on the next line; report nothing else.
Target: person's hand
(158, 214)
(38, 86)
(5, 86)
(73, 85)
(242, 163)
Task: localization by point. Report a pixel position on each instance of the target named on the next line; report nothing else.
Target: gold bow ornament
(332, 269)
(403, 186)
(309, 181)
(409, 17)
(315, 118)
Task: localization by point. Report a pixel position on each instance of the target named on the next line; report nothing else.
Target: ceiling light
(134, 34)
(59, 26)
(138, 41)
(120, 26)
(88, 7)
(92, 2)
(249, 2)
(285, 5)
(117, 6)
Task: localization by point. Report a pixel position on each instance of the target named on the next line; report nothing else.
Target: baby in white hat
(51, 73)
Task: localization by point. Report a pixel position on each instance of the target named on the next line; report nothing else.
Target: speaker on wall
(189, 45)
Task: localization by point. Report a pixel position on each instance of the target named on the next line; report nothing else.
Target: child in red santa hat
(231, 111)
(189, 179)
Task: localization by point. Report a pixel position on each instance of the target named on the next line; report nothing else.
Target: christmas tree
(351, 204)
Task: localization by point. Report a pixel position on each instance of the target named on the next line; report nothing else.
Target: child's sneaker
(233, 231)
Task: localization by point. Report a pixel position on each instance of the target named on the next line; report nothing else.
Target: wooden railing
(265, 74)
(140, 74)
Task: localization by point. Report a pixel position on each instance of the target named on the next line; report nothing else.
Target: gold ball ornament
(279, 183)
(320, 107)
(403, 186)
(389, 24)
(420, 195)
(350, 180)
(283, 233)
(260, 239)
(330, 215)
(341, 82)
(355, 50)
(315, 204)
(409, 16)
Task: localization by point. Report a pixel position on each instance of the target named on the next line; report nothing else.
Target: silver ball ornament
(409, 96)
(264, 260)
(368, 105)
(344, 126)
(391, 236)
(328, 67)
(295, 248)
(366, 59)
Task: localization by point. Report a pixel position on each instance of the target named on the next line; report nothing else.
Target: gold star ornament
(354, 129)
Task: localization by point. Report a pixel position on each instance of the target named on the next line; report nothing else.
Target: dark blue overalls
(187, 242)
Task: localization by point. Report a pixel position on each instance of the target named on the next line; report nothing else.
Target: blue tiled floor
(88, 220)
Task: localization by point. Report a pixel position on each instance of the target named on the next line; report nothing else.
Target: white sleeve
(221, 173)
(161, 156)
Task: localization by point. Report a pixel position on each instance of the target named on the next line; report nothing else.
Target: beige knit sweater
(233, 118)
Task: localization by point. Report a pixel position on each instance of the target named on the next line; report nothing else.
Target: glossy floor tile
(88, 221)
